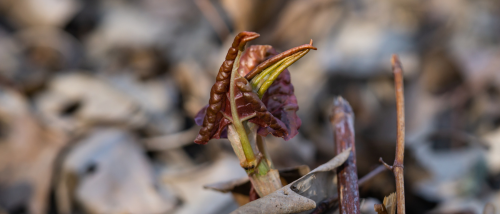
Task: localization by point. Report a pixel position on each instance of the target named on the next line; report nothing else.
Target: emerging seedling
(252, 97)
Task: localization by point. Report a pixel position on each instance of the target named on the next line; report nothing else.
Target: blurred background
(97, 99)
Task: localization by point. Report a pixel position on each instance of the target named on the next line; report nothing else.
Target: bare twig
(330, 202)
(387, 166)
(400, 146)
(397, 167)
(342, 120)
(371, 174)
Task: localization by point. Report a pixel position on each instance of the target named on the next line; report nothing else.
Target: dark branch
(342, 120)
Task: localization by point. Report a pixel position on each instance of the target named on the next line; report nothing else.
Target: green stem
(245, 144)
(265, 179)
(265, 163)
(263, 168)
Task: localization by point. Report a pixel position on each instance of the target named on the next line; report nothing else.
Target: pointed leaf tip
(262, 66)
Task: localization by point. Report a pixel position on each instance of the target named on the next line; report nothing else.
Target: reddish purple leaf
(282, 103)
(213, 120)
(275, 113)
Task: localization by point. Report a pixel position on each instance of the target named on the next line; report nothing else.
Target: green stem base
(263, 176)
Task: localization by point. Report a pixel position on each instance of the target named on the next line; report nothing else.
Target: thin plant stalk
(397, 167)
(400, 146)
(264, 179)
(238, 125)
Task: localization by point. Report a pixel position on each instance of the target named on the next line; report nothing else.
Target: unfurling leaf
(212, 115)
(274, 113)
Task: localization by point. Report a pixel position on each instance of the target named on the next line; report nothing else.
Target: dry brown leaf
(240, 187)
(28, 150)
(301, 195)
(390, 203)
(107, 172)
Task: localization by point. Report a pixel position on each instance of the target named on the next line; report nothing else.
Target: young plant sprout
(252, 97)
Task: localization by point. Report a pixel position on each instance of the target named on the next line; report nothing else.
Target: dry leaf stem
(342, 120)
(400, 146)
